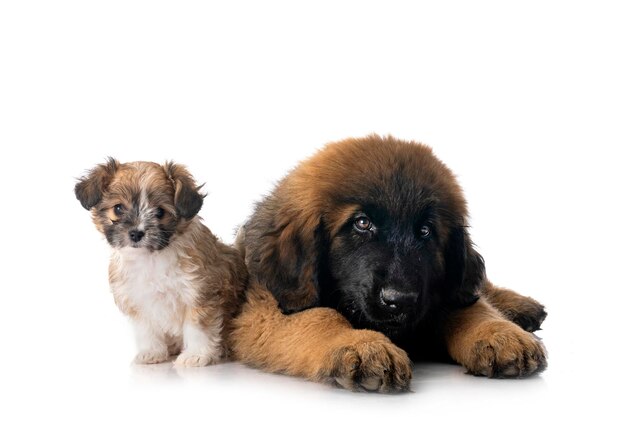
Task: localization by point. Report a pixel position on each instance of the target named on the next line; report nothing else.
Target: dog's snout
(136, 235)
(394, 298)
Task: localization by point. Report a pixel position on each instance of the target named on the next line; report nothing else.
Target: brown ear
(90, 188)
(187, 197)
(465, 269)
(283, 252)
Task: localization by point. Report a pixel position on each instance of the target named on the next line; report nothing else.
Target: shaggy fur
(180, 285)
(375, 228)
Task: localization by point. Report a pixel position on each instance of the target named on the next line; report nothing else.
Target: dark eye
(159, 213)
(425, 231)
(362, 224)
(118, 209)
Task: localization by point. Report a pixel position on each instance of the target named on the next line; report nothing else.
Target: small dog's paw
(505, 350)
(194, 359)
(371, 366)
(151, 356)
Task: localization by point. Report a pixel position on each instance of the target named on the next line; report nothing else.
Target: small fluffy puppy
(177, 282)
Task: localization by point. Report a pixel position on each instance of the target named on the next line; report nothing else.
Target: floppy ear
(284, 253)
(187, 197)
(90, 188)
(465, 269)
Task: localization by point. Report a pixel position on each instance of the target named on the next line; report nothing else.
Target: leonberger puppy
(360, 259)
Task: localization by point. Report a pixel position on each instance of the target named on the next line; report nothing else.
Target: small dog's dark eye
(363, 223)
(159, 213)
(425, 231)
(118, 209)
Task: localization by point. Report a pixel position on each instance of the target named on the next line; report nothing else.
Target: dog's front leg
(318, 344)
(202, 343)
(481, 339)
(151, 343)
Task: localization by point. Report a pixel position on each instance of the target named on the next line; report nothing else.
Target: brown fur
(307, 211)
(526, 312)
(223, 275)
(486, 343)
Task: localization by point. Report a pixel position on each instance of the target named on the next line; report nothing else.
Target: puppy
(370, 238)
(177, 282)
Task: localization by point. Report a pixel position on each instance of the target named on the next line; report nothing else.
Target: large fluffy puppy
(180, 286)
(375, 228)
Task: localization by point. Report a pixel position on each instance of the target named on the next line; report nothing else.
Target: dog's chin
(391, 317)
(139, 246)
(378, 316)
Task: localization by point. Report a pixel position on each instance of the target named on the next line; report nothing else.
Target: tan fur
(486, 343)
(318, 344)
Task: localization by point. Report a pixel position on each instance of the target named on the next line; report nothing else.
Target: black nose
(394, 298)
(136, 235)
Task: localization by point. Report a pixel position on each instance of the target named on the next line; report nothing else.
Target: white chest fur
(153, 284)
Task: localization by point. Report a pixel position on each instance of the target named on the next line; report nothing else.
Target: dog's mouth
(139, 246)
(150, 244)
(393, 300)
(383, 309)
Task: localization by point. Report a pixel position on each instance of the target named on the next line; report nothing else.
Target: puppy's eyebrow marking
(144, 208)
(143, 195)
(143, 199)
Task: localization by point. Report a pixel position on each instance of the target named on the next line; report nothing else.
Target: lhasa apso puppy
(177, 282)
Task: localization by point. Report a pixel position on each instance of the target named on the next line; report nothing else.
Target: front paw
(194, 359)
(504, 350)
(145, 357)
(375, 365)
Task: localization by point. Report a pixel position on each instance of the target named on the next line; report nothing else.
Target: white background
(525, 102)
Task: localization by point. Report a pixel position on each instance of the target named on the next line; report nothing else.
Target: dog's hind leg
(526, 312)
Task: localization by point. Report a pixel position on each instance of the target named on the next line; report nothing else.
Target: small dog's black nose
(395, 299)
(136, 235)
